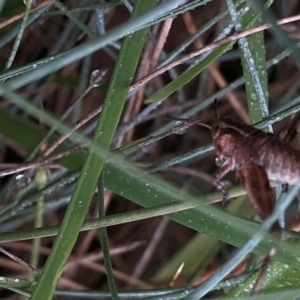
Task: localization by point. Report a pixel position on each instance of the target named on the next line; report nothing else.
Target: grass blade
(94, 163)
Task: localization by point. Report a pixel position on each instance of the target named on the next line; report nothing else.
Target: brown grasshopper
(251, 153)
(257, 157)
(238, 145)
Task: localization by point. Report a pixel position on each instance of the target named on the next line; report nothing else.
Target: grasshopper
(256, 157)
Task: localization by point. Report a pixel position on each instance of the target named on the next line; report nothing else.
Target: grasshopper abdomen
(282, 163)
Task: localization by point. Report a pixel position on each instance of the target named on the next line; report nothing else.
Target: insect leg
(217, 181)
(263, 270)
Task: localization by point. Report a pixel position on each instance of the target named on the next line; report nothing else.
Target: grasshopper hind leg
(263, 271)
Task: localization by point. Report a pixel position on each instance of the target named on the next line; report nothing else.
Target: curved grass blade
(79, 204)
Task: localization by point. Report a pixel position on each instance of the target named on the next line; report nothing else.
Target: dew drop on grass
(22, 181)
(98, 77)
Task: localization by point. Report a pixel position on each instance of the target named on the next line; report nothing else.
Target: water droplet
(97, 77)
(22, 181)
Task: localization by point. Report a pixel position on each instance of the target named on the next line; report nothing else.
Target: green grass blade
(279, 275)
(253, 57)
(187, 76)
(79, 204)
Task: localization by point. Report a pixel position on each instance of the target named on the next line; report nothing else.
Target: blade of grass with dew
(280, 278)
(170, 294)
(253, 57)
(187, 76)
(113, 105)
(23, 287)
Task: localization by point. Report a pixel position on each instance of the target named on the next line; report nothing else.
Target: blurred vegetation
(125, 207)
